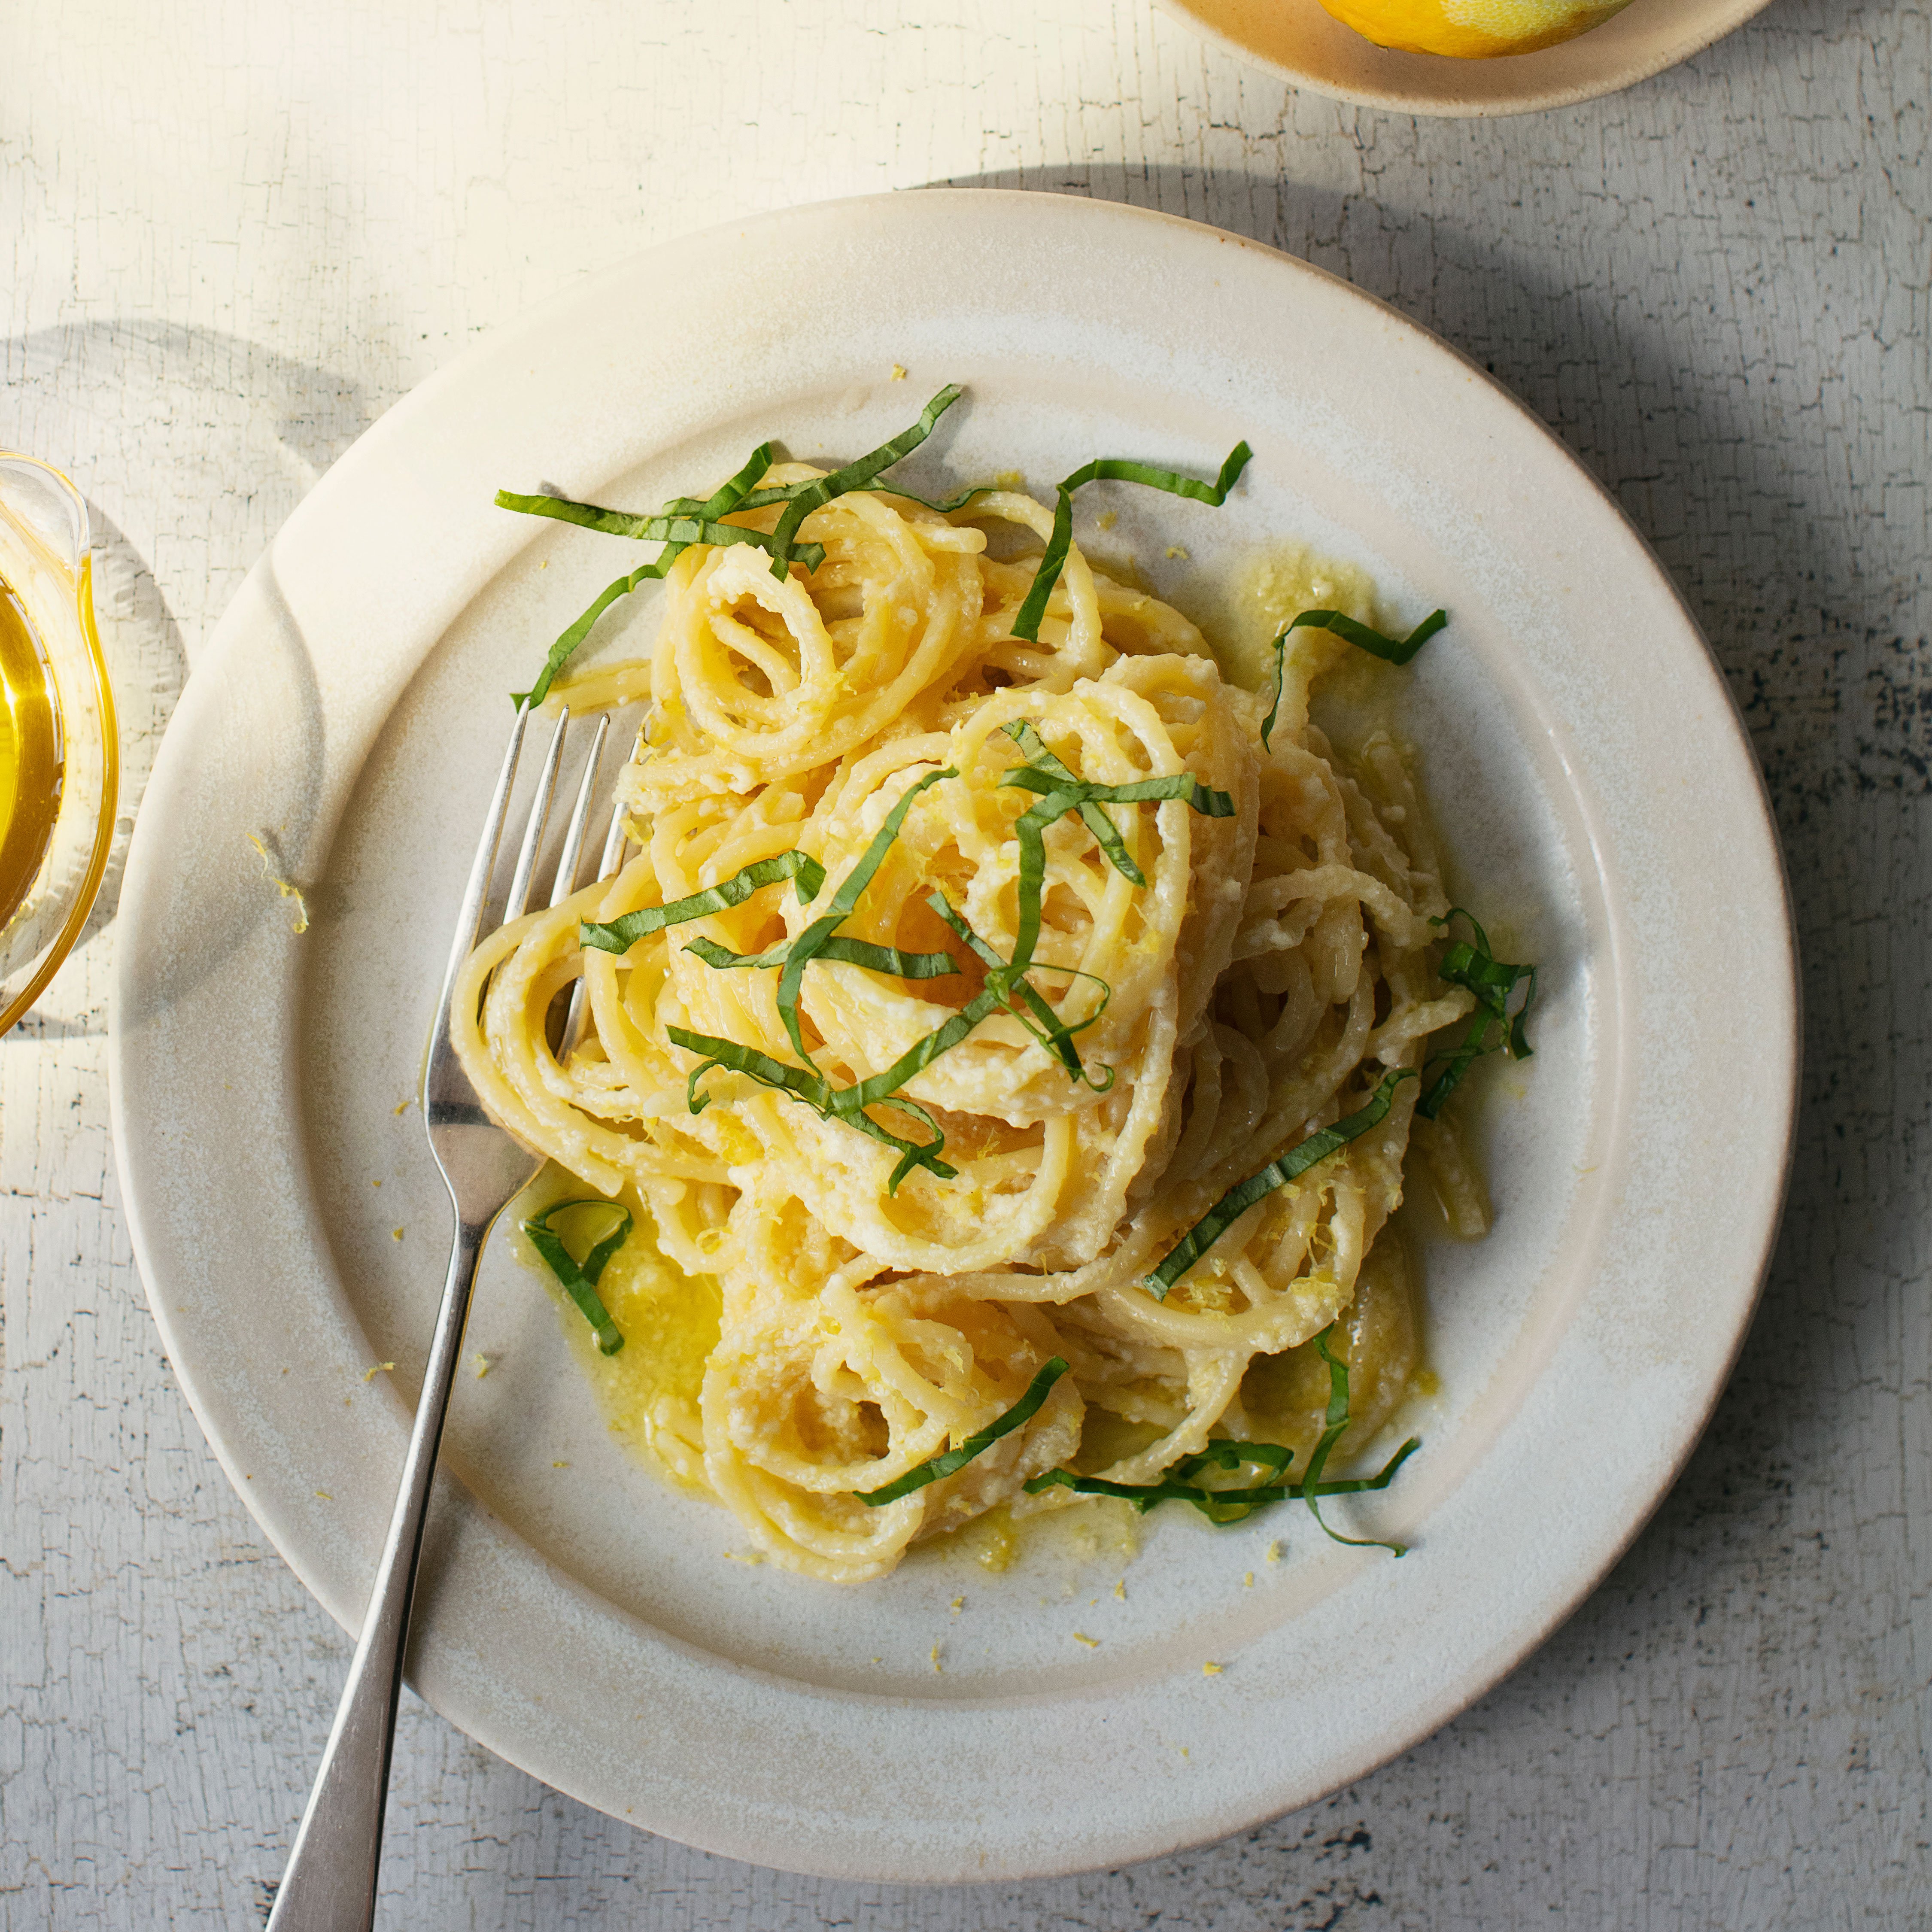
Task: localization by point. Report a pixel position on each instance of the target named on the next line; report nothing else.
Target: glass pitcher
(58, 754)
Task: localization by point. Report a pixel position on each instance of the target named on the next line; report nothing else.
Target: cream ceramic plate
(1304, 44)
(1592, 778)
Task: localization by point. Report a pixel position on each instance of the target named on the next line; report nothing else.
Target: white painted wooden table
(231, 235)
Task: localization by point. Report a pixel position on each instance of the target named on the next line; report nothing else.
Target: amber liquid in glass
(31, 758)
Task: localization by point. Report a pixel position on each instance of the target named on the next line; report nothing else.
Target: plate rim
(1524, 1637)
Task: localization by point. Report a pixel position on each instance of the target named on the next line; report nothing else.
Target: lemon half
(1472, 29)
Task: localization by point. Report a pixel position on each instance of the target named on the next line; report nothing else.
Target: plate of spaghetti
(1182, 1063)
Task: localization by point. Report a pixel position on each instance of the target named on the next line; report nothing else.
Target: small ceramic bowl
(46, 572)
(1305, 45)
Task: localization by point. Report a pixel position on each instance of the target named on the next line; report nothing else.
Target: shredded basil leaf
(813, 1090)
(921, 1054)
(677, 531)
(1029, 828)
(837, 951)
(1337, 1420)
(1204, 799)
(810, 942)
(732, 495)
(1235, 1503)
(1231, 1453)
(579, 1279)
(1232, 1205)
(945, 509)
(1391, 650)
(620, 935)
(1097, 821)
(854, 476)
(574, 633)
(783, 492)
(1113, 469)
(1052, 1032)
(954, 1460)
(680, 529)
(1493, 981)
(729, 495)
(1065, 792)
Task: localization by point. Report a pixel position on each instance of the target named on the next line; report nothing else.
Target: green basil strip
(840, 952)
(1097, 821)
(1046, 1026)
(1362, 1485)
(1142, 1495)
(1231, 1206)
(1519, 1040)
(853, 476)
(810, 942)
(682, 522)
(1223, 1506)
(1029, 828)
(815, 1091)
(1054, 778)
(913, 1154)
(784, 493)
(954, 1460)
(680, 528)
(1493, 981)
(1390, 650)
(731, 495)
(1113, 469)
(1218, 1506)
(945, 509)
(920, 1055)
(620, 935)
(567, 643)
(1310, 1486)
(579, 1279)
(1232, 1504)
(1230, 1452)
(848, 1103)
(1204, 799)
(1064, 793)
(724, 960)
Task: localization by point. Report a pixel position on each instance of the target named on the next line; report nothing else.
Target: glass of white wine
(59, 755)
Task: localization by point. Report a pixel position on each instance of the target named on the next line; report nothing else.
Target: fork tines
(472, 924)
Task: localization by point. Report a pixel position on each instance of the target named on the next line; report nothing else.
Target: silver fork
(330, 1884)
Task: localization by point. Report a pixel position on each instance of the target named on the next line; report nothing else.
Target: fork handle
(330, 1883)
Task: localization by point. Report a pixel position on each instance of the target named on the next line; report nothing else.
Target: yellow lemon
(1472, 29)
